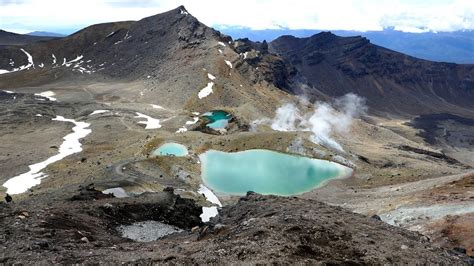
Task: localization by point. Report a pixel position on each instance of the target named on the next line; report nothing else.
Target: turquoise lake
(266, 172)
(171, 149)
(218, 119)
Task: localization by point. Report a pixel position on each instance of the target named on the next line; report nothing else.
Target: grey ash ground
(257, 229)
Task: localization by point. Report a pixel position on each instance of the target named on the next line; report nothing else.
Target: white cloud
(415, 16)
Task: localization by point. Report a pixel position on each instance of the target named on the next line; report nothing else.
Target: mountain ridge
(456, 47)
(356, 65)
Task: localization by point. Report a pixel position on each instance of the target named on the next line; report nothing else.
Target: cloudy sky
(66, 16)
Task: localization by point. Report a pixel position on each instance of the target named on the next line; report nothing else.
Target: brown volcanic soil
(258, 229)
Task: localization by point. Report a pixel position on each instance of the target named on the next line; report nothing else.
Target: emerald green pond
(218, 119)
(171, 149)
(266, 172)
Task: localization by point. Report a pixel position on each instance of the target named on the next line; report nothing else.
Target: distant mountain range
(10, 38)
(454, 47)
(46, 34)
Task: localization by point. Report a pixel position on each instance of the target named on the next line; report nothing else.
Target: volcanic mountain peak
(118, 49)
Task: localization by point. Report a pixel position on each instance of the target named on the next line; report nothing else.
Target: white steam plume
(323, 120)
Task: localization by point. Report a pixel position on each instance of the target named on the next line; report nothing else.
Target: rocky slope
(391, 82)
(258, 229)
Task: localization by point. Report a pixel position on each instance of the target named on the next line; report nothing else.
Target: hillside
(391, 82)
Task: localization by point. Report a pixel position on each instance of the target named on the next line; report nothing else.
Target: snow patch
(30, 59)
(71, 145)
(181, 130)
(69, 63)
(47, 94)
(206, 91)
(118, 192)
(209, 212)
(228, 63)
(211, 77)
(157, 106)
(151, 123)
(222, 44)
(194, 121)
(96, 112)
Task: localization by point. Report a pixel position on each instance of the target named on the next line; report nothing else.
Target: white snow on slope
(151, 123)
(222, 44)
(70, 145)
(96, 112)
(8, 91)
(20, 68)
(30, 59)
(190, 122)
(194, 121)
(209, 212)
(69, 63)
(47, 94)
(181, 130)
(157, 106)
(228, 63)
(54, 59)
(211, 77)
(183, 12)
(118, 192)
(206, 90)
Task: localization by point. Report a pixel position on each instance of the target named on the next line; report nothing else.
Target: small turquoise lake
(171, 149)
(217, 119)
(266, 172)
